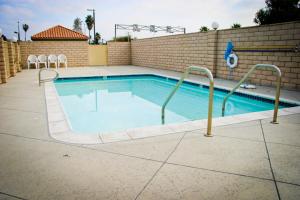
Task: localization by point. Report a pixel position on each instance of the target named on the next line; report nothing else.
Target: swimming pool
(114, 103)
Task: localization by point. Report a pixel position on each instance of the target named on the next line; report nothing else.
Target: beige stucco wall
(207, 49)
(75, 51)
(97, 55)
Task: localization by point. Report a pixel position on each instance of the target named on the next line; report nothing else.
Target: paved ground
(253, 160)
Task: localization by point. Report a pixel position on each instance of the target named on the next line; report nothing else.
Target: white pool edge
(60, 127)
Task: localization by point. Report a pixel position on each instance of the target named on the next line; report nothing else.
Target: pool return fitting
(278, 84)
(211, 94)
(48, 79)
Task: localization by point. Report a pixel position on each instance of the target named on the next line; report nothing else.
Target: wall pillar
(212, 44)
(2, 62)
(18, 57)
(11, 58)
(215, 54)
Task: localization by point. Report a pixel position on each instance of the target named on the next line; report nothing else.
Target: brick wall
(174, 52)
(277, 34)
(75, 51)
(9, 54)
(17, 57)
(119, 53)
(207, 49)
(11, 59)
(2, 63)
(6, 59)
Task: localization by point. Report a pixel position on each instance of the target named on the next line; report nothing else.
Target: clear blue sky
(192, 14)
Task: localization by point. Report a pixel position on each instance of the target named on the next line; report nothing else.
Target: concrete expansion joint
(161, 166)
(269, 159)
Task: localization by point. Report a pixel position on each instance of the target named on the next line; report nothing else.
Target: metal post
(48, 79)
(276, 103)
(211, 95)
(215, 49)
(94, 17)
(94, 23)
(210, 108)
(115, 32)
(18, 31)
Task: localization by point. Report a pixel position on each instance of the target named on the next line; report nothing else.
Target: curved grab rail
(48, 79)
(211, 93)
(276, 104)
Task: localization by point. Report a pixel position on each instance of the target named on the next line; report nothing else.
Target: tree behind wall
(122, 39)
(89, 20)
(236, 25)
(25, 28)
(278, 11)
(203, 29)
(77, 25)
(97, 38)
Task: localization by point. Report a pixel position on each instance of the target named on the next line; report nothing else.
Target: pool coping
(60, 128)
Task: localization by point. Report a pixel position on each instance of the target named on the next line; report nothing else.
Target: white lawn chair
(62, 59)
(42, 59)
(32, 59)
(52, 59)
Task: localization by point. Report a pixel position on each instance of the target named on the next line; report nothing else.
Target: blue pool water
(102, 104)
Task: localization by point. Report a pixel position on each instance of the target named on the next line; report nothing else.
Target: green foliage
(122, 39)
(236, 25)
(77, 25)
(97, 38)
(204, 29)
(25, 28)
(89, 20)
(278, 11)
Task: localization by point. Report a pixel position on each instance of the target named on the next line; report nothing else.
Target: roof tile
(59, 33)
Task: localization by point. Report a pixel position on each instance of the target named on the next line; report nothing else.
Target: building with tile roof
(59, 33)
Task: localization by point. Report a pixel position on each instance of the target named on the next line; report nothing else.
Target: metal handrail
(48, 79)
(276, 104)
(211, 93)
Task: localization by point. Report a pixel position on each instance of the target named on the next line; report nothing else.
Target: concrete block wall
(9, 54)
(11, 59)
(4, 61)
(207, 49)
(75, 51)
(174, 52)
(119, 53)
(276, 34)
(17, 57)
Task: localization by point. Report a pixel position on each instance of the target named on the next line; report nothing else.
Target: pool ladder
(47, 79)
(211, 93)
(278, 84)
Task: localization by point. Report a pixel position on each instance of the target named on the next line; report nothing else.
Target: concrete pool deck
(249, 160)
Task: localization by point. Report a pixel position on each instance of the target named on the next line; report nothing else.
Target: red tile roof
(59, 33)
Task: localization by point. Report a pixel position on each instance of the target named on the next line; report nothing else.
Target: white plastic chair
(52, 59)
(42, 59)
(62, 59)
(32, 59)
